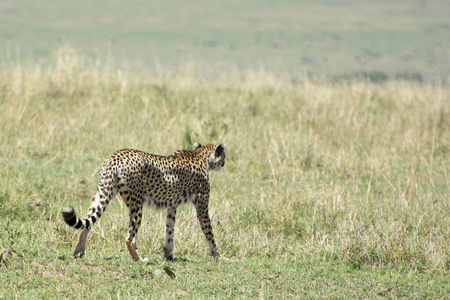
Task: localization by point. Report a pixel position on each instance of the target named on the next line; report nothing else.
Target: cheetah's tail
(69, 216)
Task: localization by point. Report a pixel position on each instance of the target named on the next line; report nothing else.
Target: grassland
(330, 190)
(328, 38)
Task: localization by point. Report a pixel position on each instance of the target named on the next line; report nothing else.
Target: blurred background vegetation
(405, 39)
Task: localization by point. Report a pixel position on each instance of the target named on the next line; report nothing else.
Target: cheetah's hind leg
(131, 245)
(81, 244)
(71, 219)
(135, 223)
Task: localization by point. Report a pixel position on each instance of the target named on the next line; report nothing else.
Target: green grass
(329, 191)
(322, 38)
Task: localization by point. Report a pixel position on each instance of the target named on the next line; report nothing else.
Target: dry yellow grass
(354, 174)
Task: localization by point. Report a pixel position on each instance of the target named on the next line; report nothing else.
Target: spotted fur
(163, 182)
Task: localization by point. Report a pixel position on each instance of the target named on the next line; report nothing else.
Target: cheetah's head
(216, 159)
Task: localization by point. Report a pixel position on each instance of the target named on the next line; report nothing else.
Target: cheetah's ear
(219, 150)
(196, 145)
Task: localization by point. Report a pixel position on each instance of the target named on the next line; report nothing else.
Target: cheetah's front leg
(205, 224)
(170, 228)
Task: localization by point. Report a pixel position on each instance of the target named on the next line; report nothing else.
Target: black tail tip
(68, 212)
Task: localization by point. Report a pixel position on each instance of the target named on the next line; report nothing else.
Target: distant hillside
(407, 39)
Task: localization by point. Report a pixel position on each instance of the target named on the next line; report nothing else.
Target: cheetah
(162, 182)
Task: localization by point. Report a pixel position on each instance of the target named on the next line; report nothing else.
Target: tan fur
(159, 181)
